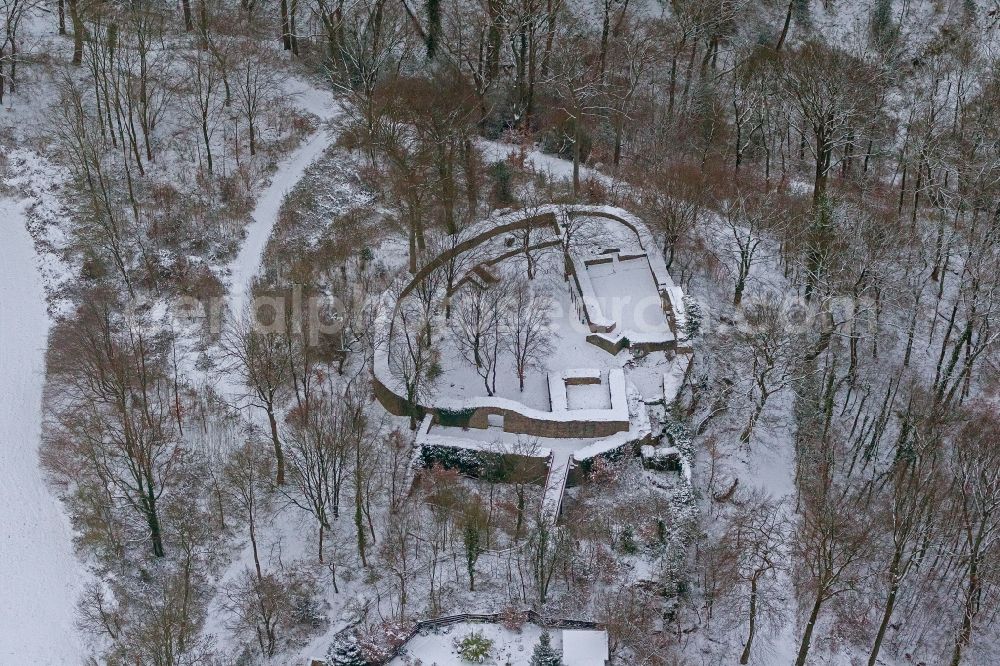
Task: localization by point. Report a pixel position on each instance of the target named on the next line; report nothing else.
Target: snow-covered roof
(585, 647)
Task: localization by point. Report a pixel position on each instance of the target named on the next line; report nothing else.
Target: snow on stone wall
(517, 417)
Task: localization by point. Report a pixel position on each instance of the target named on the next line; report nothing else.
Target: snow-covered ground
(627, 295)
(39, 576)
(570, 348)
(552, 166)
(246, 265)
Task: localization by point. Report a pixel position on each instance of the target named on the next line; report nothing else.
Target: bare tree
(473, 523)
(158, 622)
(547, 552)
(908, 509)
(575, 78)
(746, 218)
(673, 200)
(975, 504)
(258, 356)
(204, 100)
(477, 326)
(516, 468)
(246, 475)
(12, 12)
(255, 605)
(318, 457)
(831, 546)
(763, 348)
(833, 92)
(363, 434)
(399, 549)
(255, 91)
(472, 322)
(113, 414)
(116, 235)
(271, 609)
(756, 534)
(527, 323)
(410, 358)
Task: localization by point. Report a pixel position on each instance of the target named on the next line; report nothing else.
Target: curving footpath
(39, 574)
(245, 267)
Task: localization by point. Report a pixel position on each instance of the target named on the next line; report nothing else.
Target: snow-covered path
(265, 215)
(555, 485)
(39, 575)
(247, 263)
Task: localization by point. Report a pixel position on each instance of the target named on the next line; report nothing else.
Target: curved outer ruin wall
(515, 419)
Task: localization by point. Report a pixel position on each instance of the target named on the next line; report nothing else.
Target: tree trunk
(784, 28)
(890, 603)
(188, 18)
(469, 158)
(800, 660)
(253, 545)
(78, 30)
(576, 156)
(752, 423)
(605, 30)
(292, 31)
(551, 11)
(745, 657)
(359, 513)
(971, 602)
(286, 32)
(279, 455)
(208, 145)
(741, 283)
(494, 39)
(672, 88)
(153, 520)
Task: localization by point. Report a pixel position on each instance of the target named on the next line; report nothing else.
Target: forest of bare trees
(822, 177)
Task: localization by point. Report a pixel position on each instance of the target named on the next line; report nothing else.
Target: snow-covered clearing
(552, 166)
(40, 575)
